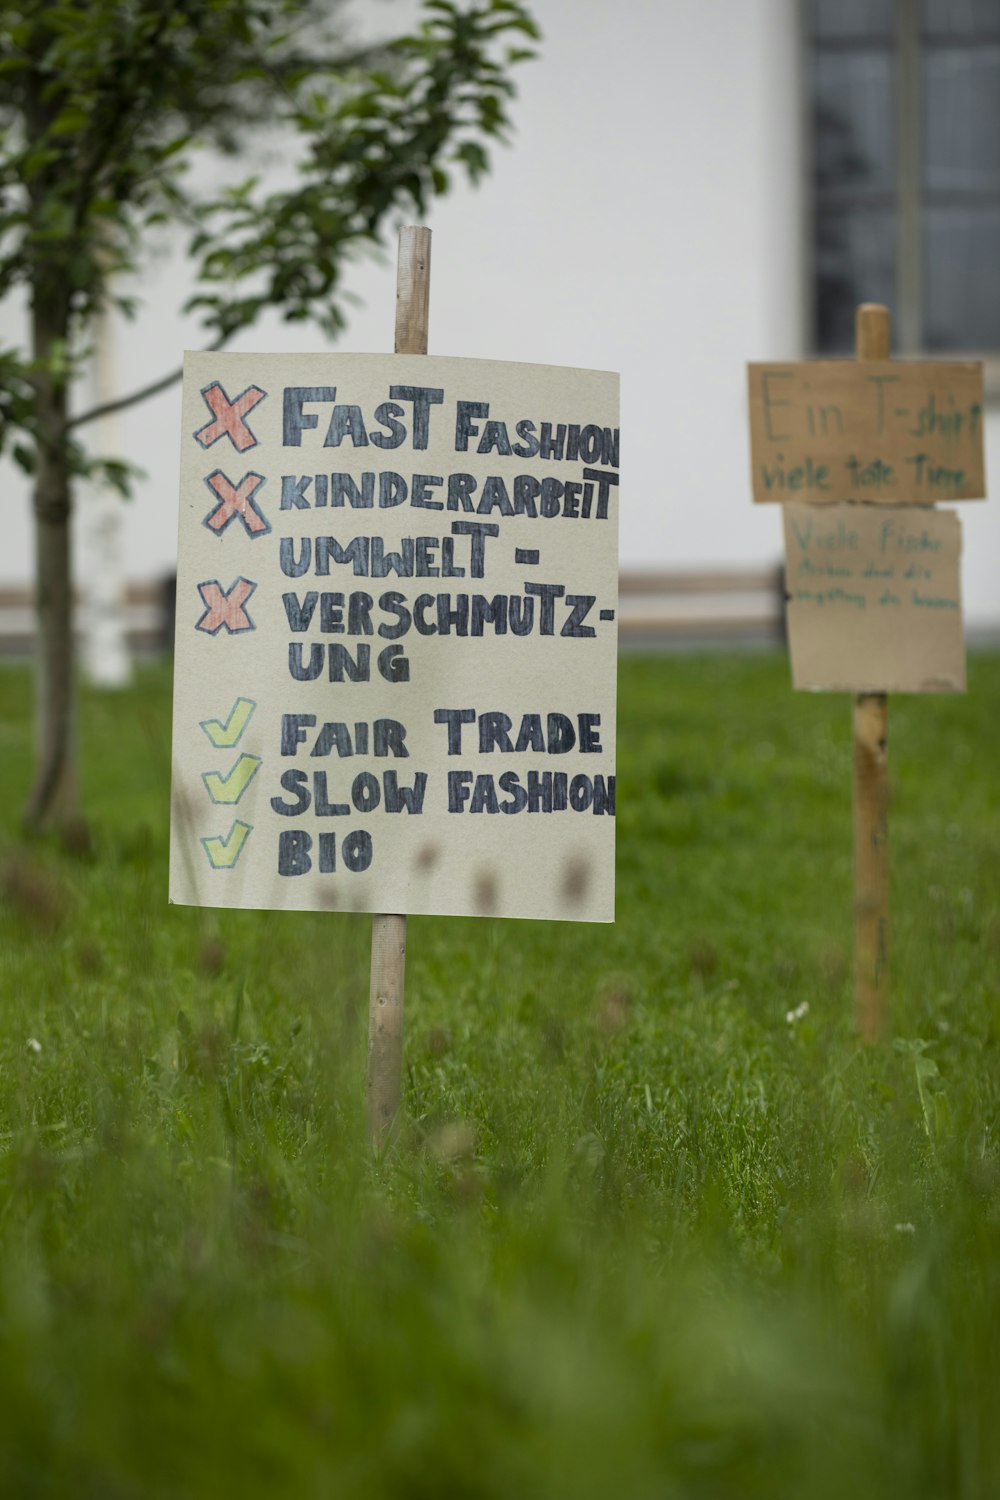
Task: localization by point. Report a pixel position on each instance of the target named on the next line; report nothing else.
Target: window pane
(962, 119)
(838, 19)
(961, 278)
(854, 123)
(959, 18)
(855, 262)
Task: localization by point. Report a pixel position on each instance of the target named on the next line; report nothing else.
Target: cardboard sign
(873, 599)
(888, 431)
(396, 636)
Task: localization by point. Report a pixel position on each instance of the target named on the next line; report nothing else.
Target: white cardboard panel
(375, 552)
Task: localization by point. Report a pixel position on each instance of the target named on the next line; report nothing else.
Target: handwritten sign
(873, 599)
(888, 431)
(396, 636)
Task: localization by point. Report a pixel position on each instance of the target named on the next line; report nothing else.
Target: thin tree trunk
(54, 800)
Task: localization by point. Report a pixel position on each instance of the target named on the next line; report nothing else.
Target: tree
(103, 105)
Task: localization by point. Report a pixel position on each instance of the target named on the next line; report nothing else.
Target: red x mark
(225, 608)
(236, 500)
(228, 416)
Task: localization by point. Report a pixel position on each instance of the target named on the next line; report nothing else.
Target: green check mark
(224, 852)
(225, 736)
(229, 789)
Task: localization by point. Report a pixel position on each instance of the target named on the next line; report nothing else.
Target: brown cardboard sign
(396, 640)
(893, 432)
(874, 599)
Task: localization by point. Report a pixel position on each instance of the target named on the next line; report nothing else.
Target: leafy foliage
(106, 104)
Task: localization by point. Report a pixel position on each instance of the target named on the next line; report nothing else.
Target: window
(906, 170)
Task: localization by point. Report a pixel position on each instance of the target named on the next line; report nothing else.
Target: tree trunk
(54, 800)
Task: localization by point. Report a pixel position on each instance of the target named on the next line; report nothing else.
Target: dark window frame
(903, 42)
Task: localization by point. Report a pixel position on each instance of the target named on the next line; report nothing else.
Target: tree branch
(121, 403)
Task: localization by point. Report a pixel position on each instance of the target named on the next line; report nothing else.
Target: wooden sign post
(858, 452)
(872, 340)
(396, 647)
(385, 998)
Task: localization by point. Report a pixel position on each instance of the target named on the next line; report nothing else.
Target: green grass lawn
(642, 1235)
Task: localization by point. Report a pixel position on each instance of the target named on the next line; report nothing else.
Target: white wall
(649, 219)
(981, 541)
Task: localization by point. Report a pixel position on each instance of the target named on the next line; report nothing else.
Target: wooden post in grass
(871, 792)
(857, 452)
(385, 1000)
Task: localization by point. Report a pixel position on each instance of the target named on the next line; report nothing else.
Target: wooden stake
(385, 1027)
(413, 289)
(385, 998)
(871, 792)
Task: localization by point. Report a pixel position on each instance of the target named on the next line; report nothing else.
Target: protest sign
(873, 595)
(874, 599)
(891, 432)
(396, 636)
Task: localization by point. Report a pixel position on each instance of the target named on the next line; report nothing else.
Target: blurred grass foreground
(657, 1224)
